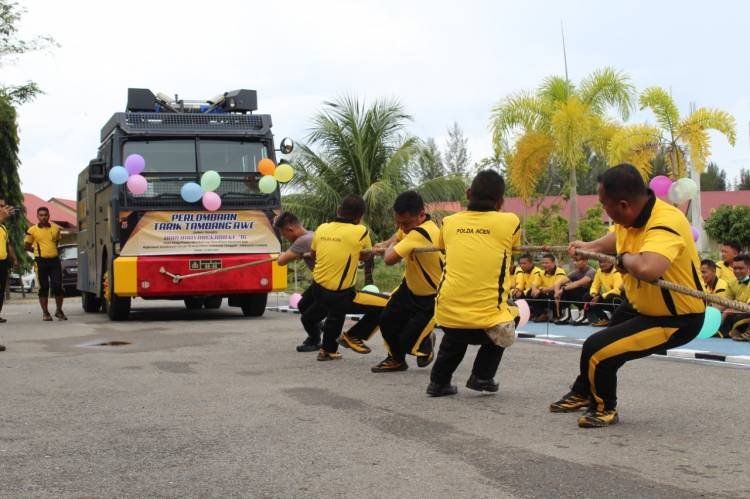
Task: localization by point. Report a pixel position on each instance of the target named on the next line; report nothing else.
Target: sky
(445, 62)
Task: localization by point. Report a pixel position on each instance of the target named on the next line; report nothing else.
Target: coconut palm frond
(602, 132)
(571, 128)
(662, 105)
(531, 156)
(518, 111)
(555, 89)
(608, 87)
(693, 131)
(634, 144)
(448, 188)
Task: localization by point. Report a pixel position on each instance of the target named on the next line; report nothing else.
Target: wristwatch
(620, 261)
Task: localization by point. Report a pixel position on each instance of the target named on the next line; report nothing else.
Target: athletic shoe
(309, 345)
(438, 390)
(570, 402)
(429, 348)
(565, 318)
(324, 355)
(598, 419)
(60, 316)
(389, 364)
(601, 323)
(354, 343)
(581, 320)
(737, 336)
(540, 318)
(482, 385)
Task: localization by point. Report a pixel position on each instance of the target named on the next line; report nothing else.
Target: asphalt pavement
(212, 404)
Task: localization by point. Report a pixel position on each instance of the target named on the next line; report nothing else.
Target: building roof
(62, 216)
(710, 200)
(70, 204)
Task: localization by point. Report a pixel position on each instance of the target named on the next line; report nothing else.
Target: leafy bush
(730, 223)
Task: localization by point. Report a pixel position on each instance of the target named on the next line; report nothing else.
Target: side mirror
(286, 146)
(97, 171)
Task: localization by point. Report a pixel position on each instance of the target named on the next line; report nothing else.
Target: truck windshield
(230, 156)
(164, 156)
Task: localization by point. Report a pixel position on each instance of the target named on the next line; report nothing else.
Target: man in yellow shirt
(727, 250)
(714, 284)
(543, 289)
(337, 248)
(653, 240)
(524, 277)
(408, 319)
(738, 290)
(43, 239)
(7, 254)
(605, 294)
(471, 306)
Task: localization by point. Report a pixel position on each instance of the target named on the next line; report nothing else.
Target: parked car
(69, 259)
(26, 282)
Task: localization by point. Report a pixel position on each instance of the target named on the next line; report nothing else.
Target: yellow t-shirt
(606, 283)
(725, 272)
(524, 280)
(478, 247)
(719, 288)
(337, 246)
(663, 229)
(547, 280)
(422, 271)
(738, 291)
(3, 242)
(44, 240)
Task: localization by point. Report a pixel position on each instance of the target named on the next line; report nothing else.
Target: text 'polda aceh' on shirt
(472, 230)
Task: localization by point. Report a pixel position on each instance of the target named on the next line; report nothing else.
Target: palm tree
(674, 137)
(355, 149)
(560, 125)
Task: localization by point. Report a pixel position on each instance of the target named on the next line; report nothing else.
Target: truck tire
(90, 302)
(212, 302)
(117, 308)
(193, 303)
(254, 305)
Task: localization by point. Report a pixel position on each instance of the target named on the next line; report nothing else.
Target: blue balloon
(191, 192)
(118, 175)
(711, 323)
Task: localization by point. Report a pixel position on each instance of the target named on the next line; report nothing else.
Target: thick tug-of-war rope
(677, 288)
(177, 278)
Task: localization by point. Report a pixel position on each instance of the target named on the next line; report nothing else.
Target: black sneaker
(428, 347)
(389, 365)
(2, 348)
(581, 320)
(438, 390)
(570, 402)
(309, 345)
(482, 385)
(564, 319)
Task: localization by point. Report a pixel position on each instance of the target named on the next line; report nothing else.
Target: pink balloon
(211, 201)
(660, 185)
(696, 234)
(135, 164)
(294, 300)
(137, 184)
(523, 312)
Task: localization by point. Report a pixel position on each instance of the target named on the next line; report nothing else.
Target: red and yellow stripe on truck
(142, 276)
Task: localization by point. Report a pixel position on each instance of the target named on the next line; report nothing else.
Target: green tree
(547, 227)
(355, 149)
(675, 137)
(560, 125)
(743, 182)
(730, 223)
(429, 161)
(592, 226)
(11, 47)
(457, 155)
(713, 179)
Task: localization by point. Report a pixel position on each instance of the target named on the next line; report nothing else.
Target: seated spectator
(573, 289)
(724, 268)
(715, 285)
(524, 277)
(543, 289)
(606, 294)
(738, 290)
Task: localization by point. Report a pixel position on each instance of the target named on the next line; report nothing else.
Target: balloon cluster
(130, 174)
(272, 175)
(677, 192)
(192, 192)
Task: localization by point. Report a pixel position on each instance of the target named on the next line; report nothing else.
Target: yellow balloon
(284, 173)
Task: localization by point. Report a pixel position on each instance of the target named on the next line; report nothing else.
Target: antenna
(565, 55)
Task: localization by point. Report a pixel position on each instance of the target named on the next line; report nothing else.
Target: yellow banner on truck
(201, 232)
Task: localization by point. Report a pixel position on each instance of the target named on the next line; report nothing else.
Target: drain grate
(112, 344)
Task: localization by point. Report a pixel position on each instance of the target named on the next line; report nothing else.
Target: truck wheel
(193, 303)
(90, 302)
(212, 302)
(254, 305)
(117, 308)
